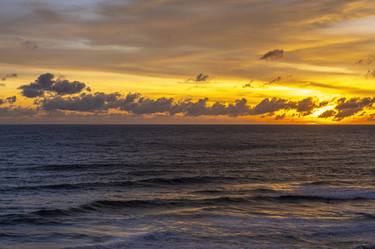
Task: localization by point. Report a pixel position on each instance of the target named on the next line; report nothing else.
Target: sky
(187, 61)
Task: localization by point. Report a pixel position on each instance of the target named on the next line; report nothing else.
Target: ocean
(185, 187)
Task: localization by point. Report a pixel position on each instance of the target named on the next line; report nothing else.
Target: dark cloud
(248, 85)
(199, 78)
(30, 45)
(82, 103)
(273, 105)
(47, 83)
(65, 87)
(306, 106)
(277, 79)
(8, 76)
(328, 114)
(346, 108)
(9, 100)
(280, 117)
(349, 107)
(273, 55)
(137, 104)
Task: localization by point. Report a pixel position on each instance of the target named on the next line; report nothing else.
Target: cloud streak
(273, 55)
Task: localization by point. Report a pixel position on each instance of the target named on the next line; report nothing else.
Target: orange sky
(292, 61)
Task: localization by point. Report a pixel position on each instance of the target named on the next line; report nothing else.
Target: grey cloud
(328, 114)
(306, 106)
(8, 76)
(273, 105)
(137, 104)
(82, 103)
(46, 83)
(201, 77)
(277, 79)
(8, 100)
(66, 87)
(29, 45)
(11, 100)
(349, 107)
(280, 117)
(248, 85)
(273, 55)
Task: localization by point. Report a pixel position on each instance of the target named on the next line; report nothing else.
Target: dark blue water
(187, 187)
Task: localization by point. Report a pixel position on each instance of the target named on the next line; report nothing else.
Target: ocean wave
(335, 193)
(71, 186)
(143, 182)
(102, 206)
(188, 180)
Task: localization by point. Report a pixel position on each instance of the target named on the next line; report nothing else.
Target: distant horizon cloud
(52, 94)
(9, 76)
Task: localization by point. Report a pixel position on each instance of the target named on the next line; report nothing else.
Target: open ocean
(186, 187)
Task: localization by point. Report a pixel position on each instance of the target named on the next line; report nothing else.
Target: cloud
(82, 103)
(277, 79)
(328, 114)
(46, 83)
(280, 117)
(249, 84)
(185, 36)
(135, 103)
(273, 105)
(9, 100)
(349, 107)
(8, 76)
(59, 95)
(306, 106)
(273, 55)
(29, 45)
(199, 78)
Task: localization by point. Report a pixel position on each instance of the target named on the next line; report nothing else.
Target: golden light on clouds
(191, 61)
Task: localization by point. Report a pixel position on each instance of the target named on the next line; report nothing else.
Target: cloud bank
(53, 95)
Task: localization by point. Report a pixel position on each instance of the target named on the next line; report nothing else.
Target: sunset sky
(193, 61)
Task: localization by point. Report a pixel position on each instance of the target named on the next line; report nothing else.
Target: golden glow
(323, 50)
